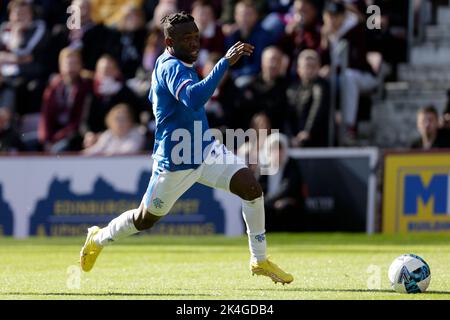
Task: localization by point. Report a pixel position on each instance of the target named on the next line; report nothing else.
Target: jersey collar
(189, 65)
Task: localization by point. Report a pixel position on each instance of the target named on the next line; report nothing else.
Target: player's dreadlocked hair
(171, 20)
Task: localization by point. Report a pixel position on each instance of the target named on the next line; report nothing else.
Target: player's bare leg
(244, 185)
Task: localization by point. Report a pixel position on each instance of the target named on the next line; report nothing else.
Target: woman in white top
(122, 135)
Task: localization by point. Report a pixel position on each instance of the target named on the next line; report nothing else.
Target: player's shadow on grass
(344, 290)
(323, 290)
(109, 294)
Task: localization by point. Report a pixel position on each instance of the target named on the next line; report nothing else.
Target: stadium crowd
(61, 85)
(83, 88)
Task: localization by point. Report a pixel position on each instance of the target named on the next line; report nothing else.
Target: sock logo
(260, 237)
(158, 203)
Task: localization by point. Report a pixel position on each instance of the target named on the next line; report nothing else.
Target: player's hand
(238, 50)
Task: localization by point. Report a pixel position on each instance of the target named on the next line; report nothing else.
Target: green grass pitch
(325, 266)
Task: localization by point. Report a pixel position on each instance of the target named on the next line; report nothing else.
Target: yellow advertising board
(416, 196)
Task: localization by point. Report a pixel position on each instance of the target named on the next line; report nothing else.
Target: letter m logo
(437, 189)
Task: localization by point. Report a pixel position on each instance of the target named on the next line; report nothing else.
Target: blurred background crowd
(314, 74)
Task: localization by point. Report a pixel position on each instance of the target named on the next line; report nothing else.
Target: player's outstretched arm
(196, 95)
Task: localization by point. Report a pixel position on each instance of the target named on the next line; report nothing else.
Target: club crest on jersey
(158, 203)
(260, 237)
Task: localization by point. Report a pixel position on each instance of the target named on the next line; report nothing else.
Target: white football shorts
(165, 187)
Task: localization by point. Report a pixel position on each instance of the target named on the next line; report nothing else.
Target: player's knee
(252, 192)
(145, 220)
(148, 222)
(244, 185)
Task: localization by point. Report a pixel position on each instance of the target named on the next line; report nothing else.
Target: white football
(409, 274)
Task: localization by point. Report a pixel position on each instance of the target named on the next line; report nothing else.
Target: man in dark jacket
(431, 136)
(92, 39)
(309, 101)
(446, 114)
(248, 30)
(268, 92)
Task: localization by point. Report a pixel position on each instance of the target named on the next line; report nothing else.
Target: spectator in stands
(211, 36)
(109, 90)
(309, 100)
(391, 39)
(279, 6)
(9, 137)
(446, 119)
(155, 44)
(271, 19)
(91, 38)
(358, 7)
(302, 30)
(149, 8)
(51, 11)
(186, 5)
(110, 13)
(65, 100)
(123, 136)
(431, 136)
(228, 17)
(268, 92)
(154, 47)
(163, 9)
(358, 77)
(225, 102)
(249, 30)
(23, 42)
(282, 190)
(446, 114)
(132, 39)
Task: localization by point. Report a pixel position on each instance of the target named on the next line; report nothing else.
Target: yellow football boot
(90, 250)
(269, 269)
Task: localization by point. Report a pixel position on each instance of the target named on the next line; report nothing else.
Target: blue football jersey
(170, 80)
